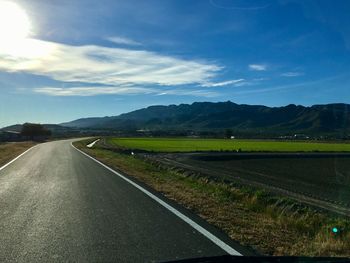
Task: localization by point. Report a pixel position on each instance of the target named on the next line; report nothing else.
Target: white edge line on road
(189, 221)
(19, 156)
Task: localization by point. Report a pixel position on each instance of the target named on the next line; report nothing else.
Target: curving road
(56, 204)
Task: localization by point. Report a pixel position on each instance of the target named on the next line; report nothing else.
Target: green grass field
(188, 145)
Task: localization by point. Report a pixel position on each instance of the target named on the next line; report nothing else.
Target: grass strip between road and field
(9, 151)
(270, 224)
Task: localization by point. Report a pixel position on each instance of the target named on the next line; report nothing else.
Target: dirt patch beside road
(9, 151)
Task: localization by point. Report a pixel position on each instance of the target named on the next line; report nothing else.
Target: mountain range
(207, 116)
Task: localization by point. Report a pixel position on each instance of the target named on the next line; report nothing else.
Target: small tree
(228, 133)
(33, 130)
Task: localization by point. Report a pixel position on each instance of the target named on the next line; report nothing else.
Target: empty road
(56, 204)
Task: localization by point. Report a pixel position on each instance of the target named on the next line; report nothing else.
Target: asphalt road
(56, 204)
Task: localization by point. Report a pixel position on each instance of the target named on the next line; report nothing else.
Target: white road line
(3, 167)
(189, 221)
(92, 144)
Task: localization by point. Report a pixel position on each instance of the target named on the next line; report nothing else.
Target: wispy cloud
(92, 91)
(123, 41)
(292, 74)
(102, 66)
(258, 67)
(223, 83)
(286, 87)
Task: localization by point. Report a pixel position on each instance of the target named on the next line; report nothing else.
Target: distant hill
(207, 116)
(87, 122)
(16, 128)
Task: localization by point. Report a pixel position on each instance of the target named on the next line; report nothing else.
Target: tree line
(34, 130)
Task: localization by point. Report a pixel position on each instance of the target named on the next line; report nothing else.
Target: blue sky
(100, 58)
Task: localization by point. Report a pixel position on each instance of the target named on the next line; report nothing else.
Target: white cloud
(258, 67)
(223, 83)
(123, 41)
(92, 91)
(292, 74)
(102, 66)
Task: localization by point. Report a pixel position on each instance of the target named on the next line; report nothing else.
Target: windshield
(145, 131)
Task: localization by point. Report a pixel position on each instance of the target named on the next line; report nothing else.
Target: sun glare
(15, 33)
(14, 22)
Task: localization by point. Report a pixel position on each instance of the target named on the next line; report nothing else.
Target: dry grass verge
(270, 224)
(9, 151)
